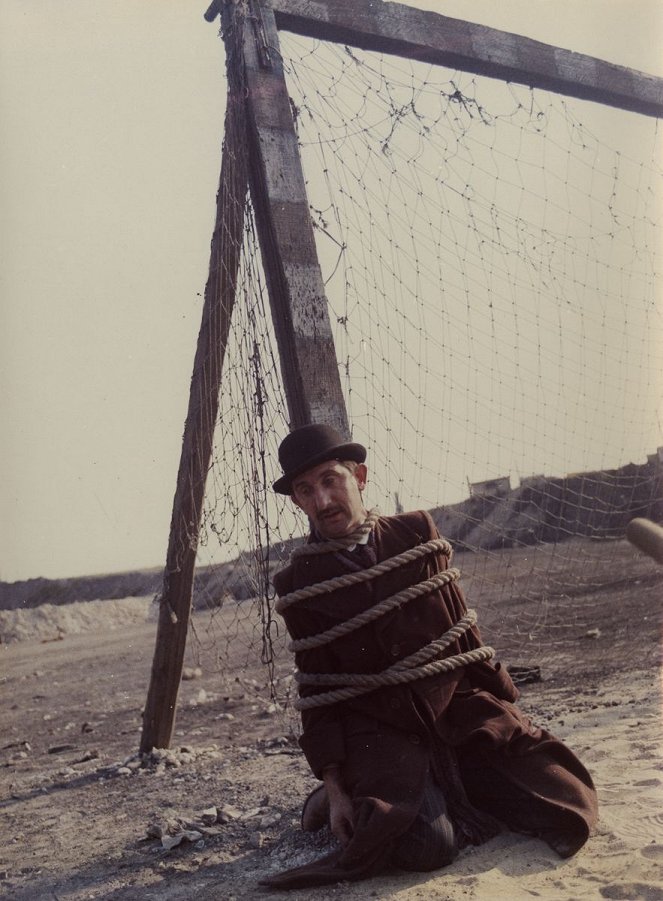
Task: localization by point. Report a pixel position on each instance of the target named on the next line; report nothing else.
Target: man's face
(330, 495)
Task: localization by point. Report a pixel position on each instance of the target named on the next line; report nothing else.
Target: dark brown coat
(384, 740)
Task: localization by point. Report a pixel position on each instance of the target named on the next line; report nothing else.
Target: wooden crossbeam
(430, 37)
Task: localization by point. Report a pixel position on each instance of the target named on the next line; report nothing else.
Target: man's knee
(430, 842)
(426, 849)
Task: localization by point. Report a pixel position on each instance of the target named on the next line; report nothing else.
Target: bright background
(112, 126)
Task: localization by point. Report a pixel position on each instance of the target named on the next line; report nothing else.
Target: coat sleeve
(322, 739)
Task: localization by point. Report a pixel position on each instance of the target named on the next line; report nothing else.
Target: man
(435, 756)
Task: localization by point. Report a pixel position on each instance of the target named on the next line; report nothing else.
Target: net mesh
(491, 257)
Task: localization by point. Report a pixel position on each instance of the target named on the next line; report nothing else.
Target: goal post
(350, 230)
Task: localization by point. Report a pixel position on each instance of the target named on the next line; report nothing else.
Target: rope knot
(338, 544)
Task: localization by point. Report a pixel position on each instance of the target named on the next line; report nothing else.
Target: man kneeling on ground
(407, 721)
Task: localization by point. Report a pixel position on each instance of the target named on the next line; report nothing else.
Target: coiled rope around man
(424, 662)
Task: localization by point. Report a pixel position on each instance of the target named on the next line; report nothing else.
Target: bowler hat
(310, 445)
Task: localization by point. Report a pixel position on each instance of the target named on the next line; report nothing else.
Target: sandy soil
(77, 809)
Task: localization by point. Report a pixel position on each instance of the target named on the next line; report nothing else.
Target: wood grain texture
(197, 442)
(457, 44)
(296, 290)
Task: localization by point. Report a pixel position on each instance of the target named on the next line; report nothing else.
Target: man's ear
(361, 475)
(294, 500)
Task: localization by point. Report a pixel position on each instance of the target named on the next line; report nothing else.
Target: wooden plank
(434, 38)
(296, 290)
(175, 600)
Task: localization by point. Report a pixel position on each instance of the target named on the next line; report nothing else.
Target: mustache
(332, 512)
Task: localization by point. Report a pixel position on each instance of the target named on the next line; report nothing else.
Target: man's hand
(341, 817)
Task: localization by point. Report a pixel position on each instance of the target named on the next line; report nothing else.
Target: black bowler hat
(304, 448)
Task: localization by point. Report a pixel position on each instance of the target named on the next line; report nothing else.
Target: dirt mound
(550, 510)
(51, 622)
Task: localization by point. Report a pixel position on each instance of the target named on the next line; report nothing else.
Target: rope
(379, 569)
(407, 670)
(374, 612)
(339, 544)
(423, 655)
(430, 669)
(416, 666)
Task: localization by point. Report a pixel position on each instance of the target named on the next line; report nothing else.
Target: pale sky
(112, 125)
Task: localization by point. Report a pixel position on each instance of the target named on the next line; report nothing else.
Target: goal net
(491, 257)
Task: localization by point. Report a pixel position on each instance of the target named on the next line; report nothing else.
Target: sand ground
(76, 820)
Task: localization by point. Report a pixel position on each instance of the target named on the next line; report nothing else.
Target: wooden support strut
(175, 600)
